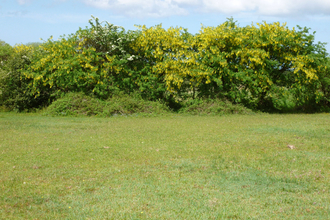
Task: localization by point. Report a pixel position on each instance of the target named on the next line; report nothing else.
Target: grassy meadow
(165, 167)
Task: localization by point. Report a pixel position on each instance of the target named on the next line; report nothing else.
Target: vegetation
(5, 51)
(266, 67)
(120, 104)
(15, 91)
(212, 107)
(173, 166)
(165, 167)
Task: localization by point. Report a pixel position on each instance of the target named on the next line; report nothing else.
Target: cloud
(23, 2)
(164, 8)
(290, 8)
(142, 8)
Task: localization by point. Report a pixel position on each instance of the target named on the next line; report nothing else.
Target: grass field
(165, 167)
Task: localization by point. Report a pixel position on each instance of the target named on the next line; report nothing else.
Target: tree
(5, 51)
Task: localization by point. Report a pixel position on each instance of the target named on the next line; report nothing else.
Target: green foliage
(212, 107)
(95, 60)
(323, 98)
(62, 66)
(15, 93)
(164, 52)
(5, 51)
(34, 44)
(75, 104)
(108, 39)
(247, 65)
(266, 67)
(121, 104)
(282, 98)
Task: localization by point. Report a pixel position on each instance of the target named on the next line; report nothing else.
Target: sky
(25, 21)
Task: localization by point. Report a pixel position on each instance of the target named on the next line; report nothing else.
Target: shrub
(247, 65)
(165, 53)
(130, 104)
(15, 93)
(122, 104)
(212, 107)
(265, 67)
(94, 60)
(5, 51)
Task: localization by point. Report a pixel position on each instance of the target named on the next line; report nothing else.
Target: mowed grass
(166, 167)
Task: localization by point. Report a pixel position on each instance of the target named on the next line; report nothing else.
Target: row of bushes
(122, 104)
(267, 67)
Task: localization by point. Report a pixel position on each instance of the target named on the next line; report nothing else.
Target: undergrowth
(212, 107)
(74, 104)
(81, 104)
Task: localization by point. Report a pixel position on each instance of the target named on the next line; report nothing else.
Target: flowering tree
(15, 93)
(263, 66)
(91, 60)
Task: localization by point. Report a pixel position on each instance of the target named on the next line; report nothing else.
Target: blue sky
(24, 21)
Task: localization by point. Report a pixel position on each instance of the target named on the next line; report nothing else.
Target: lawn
(165, 167)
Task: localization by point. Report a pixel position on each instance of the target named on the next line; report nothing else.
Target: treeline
(266, 67)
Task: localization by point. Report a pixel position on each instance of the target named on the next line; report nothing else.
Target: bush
(248, 64)
(5, 52)
(164, 72)
(266, 67)
(95, 60)
(282, 99)
(15, 93)
(122, 104)
(245, 65)
(212, 107)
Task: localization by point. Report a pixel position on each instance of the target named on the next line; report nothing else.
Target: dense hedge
(264, 66)
(119, 104)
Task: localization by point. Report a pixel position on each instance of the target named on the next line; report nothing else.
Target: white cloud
(163, 8)
(227, 7)
(188, 2)
(290, 8)
(141, 8)
(23, 2)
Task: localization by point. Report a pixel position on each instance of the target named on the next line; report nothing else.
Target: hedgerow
(15, 91)
(265, 66)
(76, 104)
(213, 106)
